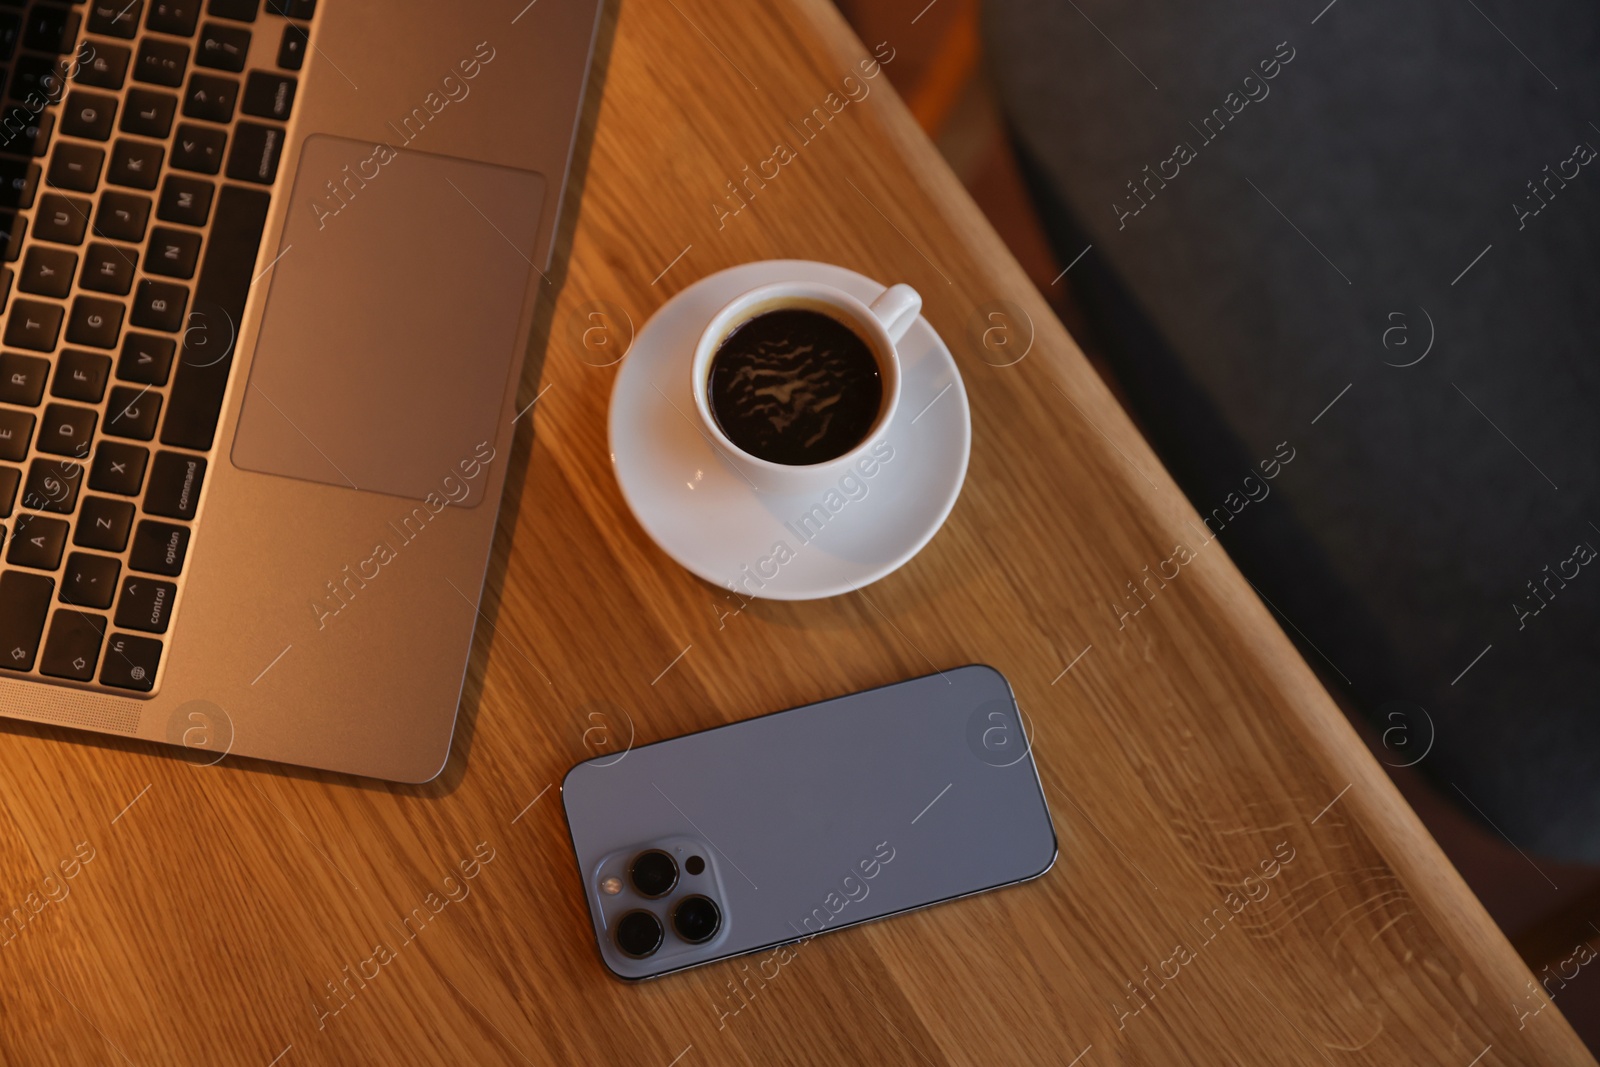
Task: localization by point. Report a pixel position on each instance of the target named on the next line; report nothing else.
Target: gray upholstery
(1253, 286)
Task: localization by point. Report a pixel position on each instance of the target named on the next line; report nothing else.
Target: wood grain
(242, 912)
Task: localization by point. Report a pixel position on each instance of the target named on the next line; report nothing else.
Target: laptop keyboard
(139, 144)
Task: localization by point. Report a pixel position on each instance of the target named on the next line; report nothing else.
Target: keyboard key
(95, 322)
(37, 542)
(176, 17)
(103, 524)
(51, 29)
(76, 167)
(295, 9)
(122, 216)
(66, 430)
(90, 581)
(149, 113)
(198, 148)
(52, 485)
(222, 47)
(239, 10)
(115, 18)
(185, 200)
(292, 49)
(22, 378)
(10, 478)
(118, 468)
(133, 413)
(107, 68)
(19, 180)
(256, 149)
(24, 602)
(173, 253)
(12, 230)
(16, 430)
(161, 62)
(11, 233)
(14, 184)
(37, 78)
(47, 271)
(11, 33)
(159, 306)
(268, 96)
(37, 136)
(89, 115)
(33, 325)
(131, 663)
(219, 297)
(73, 647)
(81, 376)
(159, 547)
(146, 359)
(175, 482)
(136, 164)
(61, 219)
(27, 131)
(210, 97)
(108, 269)
(146, 604)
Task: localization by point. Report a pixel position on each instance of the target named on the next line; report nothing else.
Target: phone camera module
(639, 934)
(696, 919)
(654, 873)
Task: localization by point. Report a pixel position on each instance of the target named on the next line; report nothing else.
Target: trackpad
(392, 319)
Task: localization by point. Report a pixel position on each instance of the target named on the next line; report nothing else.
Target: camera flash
(611, 886)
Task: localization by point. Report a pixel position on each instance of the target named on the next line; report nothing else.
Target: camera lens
(654, 873)
(696, 919)
(639, 934)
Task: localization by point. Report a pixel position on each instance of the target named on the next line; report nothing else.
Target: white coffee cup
(880, 324)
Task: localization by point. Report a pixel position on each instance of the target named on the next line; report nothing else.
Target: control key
(146, 604)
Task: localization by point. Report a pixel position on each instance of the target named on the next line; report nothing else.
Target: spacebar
(213, 327)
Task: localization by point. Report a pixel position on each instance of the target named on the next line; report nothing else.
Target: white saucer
(704, 514)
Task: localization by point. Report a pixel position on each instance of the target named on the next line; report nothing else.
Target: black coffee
(795, 386)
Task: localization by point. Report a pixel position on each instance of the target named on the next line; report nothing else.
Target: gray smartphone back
(815, 818)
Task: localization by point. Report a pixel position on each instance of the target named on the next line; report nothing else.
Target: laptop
(270, 272)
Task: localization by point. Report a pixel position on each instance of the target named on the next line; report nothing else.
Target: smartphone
(772, 830)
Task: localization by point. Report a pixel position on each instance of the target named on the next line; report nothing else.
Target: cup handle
(897, 308)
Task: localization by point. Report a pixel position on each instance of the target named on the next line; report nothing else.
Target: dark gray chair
(1372, 232)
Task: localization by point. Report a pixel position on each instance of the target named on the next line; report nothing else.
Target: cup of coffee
(795, 381)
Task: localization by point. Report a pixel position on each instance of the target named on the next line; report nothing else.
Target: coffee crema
(795, 386)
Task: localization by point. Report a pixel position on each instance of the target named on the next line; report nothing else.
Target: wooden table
(237, 913)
